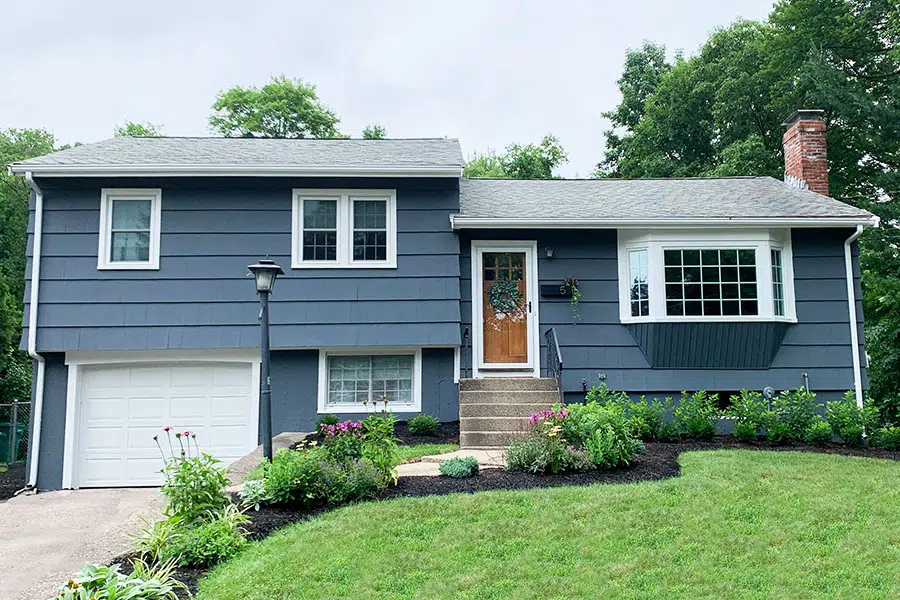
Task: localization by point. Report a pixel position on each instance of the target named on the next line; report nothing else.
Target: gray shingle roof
(249, 152)
(634, 199)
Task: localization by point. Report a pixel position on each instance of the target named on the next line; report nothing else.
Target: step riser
(496, 439)
(508, 397)
(508, 384)
(489, 409)
(490, 424)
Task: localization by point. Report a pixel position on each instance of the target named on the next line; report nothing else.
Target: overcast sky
(488, 72)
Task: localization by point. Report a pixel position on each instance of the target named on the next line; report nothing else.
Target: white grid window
(357, 379)
(778, 283)
(711, 282)
(370, 230)
(639, 273)
(129, 228)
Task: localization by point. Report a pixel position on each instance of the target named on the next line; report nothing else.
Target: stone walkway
(430, 465)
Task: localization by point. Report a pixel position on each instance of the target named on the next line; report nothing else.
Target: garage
(121, 407)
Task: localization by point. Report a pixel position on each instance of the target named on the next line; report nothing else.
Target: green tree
(519, 161)
(283, 108)
(145, 129)
(720, 112)
(373, 132)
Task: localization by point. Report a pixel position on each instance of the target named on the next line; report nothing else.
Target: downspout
(32, 329)
(851, 307)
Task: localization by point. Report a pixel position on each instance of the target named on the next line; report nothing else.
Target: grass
(408, 453)
(737, 524)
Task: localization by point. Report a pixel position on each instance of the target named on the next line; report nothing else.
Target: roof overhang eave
(463, 222)
(244, 170)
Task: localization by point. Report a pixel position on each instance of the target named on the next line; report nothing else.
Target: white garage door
(121, 408)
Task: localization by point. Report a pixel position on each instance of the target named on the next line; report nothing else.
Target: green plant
(669, 432)
(848, 421)
(570, 284)
(647, 417)
(750, 414)
(793, 411)
(348, 481)
(544, 454)
(95, 582)
(612, 443)
(216, 538)
(326, 419)
(887, 437)
(295, 476)
(343, 441)
(697, 414)
(818, 433)
(157, 535)
(460, 467)
(423, 425)
(254, 494)
(380, 447)
(195, 483)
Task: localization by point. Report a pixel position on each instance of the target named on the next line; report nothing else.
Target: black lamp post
(265, 272)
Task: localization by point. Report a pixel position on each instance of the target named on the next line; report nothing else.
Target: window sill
(356, 409)
(126, 266)
(711, 319)
(354, 265)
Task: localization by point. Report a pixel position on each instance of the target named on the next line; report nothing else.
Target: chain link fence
(14, 420)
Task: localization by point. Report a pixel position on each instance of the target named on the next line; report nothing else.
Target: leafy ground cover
(737, 524)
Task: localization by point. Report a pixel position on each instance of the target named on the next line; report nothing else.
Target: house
(406, 280)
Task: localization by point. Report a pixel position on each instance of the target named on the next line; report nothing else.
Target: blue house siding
(598, 344)
(200, 298)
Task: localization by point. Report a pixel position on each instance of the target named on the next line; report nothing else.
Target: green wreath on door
(504, 296)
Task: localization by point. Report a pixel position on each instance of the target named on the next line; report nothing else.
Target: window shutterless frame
(107, 197)
(345, 228)
(324, 406)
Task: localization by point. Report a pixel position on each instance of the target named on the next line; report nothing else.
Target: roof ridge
(220, 137)
(730, 177)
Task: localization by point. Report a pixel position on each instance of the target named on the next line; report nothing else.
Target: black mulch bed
(448, 434)
(659, 461)
(12, 480)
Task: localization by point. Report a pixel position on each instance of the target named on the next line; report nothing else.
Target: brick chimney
(805, 152)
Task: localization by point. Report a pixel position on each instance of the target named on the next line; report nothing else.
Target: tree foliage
(283, 108)
(719, 113)
(373, 132)
(519, 161)
(133, 129)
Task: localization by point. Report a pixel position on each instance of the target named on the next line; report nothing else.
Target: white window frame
(344, 200)
(107, 196)
(357, 407)
(762, 241)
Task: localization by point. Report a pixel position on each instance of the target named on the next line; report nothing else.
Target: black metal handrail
(554, 360)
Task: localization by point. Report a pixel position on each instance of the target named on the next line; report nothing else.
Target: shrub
(195, 483)
(887, 437)
(216, 538)
(612, 443)
(423, 425)
(380, 447)
(295, 476)
(669, 432)
(647, 417)
(348, 481)
(343, 441)
(254, 494)
(818, 434)
(144, 583)
(697, 414)
(793, 411)
(849, 421)
(750, 414)
(460, 467)
(326, 419)
(544, 454)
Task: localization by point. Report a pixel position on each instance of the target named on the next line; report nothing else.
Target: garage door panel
(121, 408)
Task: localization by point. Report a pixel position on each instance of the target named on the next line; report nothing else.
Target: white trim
(33, 304)
(345, 199)
(851, 310)
(322, 405)
(77, 360)
(463, 222)
(237, 170)
(533, 366)
(656, 242)
(107, 196)
(457, 364)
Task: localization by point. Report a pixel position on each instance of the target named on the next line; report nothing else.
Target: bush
(144, 583)
(348, 481)
(697, 414)
(818, 434)
(750, 414)
(647, 417)
(295, 477)
(887, 437)
(423, 425)
(216, 538)
(254, 494)
(326, 419)
(669, 432)
(612, 443)
(544, 454)
(380, 447)
(793, 411)
(343, 441)
(460, 467)
(195, 483)
(848, 421)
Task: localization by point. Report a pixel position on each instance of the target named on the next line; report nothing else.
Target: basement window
(358, 381)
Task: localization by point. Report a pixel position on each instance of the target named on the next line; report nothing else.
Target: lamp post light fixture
(265, 271)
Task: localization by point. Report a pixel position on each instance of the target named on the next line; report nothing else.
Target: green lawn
(737, 524)
(408, 453)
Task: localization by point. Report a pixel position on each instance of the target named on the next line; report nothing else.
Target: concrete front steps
(494, 411)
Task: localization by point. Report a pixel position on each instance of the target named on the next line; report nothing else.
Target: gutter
(32, 330)
(237, 170)
(851, 309)
(462, 222)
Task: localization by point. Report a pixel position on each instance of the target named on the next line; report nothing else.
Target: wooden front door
(505, 308)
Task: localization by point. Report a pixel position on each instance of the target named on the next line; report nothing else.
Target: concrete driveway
(47, 538)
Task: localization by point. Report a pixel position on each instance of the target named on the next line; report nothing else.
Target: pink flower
(187, 433)
(168, 428)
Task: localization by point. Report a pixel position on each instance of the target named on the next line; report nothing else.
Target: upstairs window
(344, 229)
(129, 228)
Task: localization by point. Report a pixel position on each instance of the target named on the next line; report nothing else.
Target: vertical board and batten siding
(200, 298)
(596, 343)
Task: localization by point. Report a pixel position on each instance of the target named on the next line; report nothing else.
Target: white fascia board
(458, 222)
(231, 171)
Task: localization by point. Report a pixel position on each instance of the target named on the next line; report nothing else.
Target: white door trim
(533, 366)
(76, 360)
